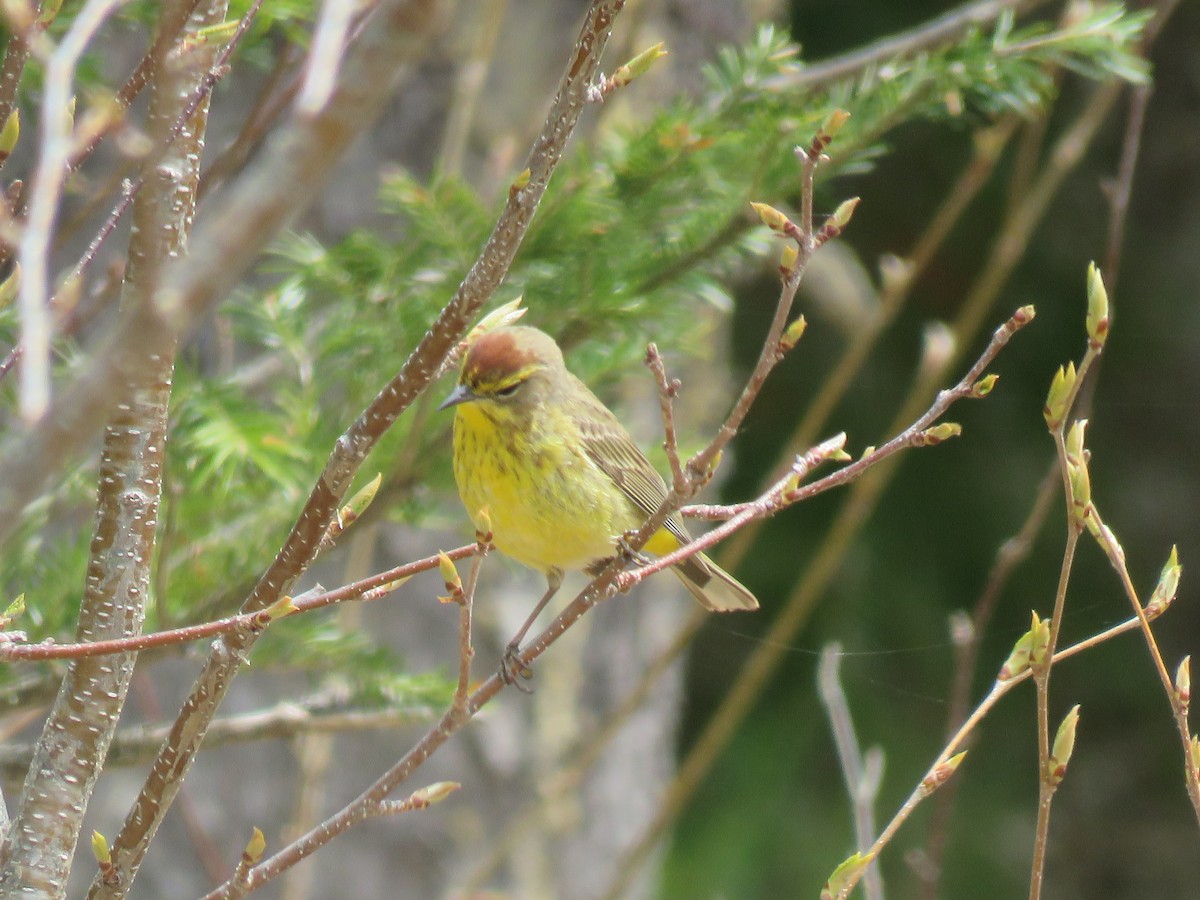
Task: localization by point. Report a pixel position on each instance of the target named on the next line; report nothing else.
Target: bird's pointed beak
(460, 394)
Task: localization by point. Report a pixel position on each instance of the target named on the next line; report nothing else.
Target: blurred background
(646, 235)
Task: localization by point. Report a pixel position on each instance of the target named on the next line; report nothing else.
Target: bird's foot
(627, 554)
(513, 671)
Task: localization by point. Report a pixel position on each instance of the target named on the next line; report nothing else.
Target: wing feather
(614, 452)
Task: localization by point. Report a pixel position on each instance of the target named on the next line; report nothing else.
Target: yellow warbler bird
(559, 476)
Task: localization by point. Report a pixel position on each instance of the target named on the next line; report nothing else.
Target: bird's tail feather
(715, 588)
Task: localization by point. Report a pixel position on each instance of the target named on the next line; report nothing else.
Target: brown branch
(668, 389)
(137, 745)
(366, 589)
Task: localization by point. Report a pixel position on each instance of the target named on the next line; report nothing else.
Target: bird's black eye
(508, 391)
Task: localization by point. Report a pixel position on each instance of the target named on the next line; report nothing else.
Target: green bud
(280, 609)
(1064, 746)
(1097, 301)
(792, 335)
(1039, 644)
(787, 259)
(100, 848)
(13, 611)
(938, 433)
(360, 502)
(843, 214)
(770, 216)
(254, 847)
(1062, 388)
(1076, 452)
(9, 134)
(1167, 587)
(450, 577)
(1018, 659)
(846, 875)
(637, 66)
(941, 773)
(984, 386)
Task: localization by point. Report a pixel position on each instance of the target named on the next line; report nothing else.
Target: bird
(550, 471)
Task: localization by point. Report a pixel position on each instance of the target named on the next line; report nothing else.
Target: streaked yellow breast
(550, 506)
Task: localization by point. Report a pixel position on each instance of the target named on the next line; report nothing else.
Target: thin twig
(861, 789)
(966, 658)
(668, 389)
(999, 689)
(56, 146)
(1121, 188)
(386, 582)
(1116, 556)
(325, 57)
(937, 32)
(770, 652)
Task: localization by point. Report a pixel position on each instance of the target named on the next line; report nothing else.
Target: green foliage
(633, 232)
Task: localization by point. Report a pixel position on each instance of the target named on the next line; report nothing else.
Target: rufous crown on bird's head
(501, 354)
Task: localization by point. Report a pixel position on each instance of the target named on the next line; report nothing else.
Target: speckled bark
(79, 728)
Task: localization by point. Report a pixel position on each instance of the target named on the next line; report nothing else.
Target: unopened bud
(360, 502)
(846, 875)
(12, 612)
(9, 134)
(984, 386)
(793, 333)
(1097, 302)
(1018, 659)
(1167, 587)
(941, 773)
(770, 216)
(450, 577)
(1058, 399)
(1064, 746)
(254, 847)
(281, 608)
(787, 259)
(434, 793)
(637, 66)
(1039, 644)
(938, 433)
(100, 848)
(843, 214)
